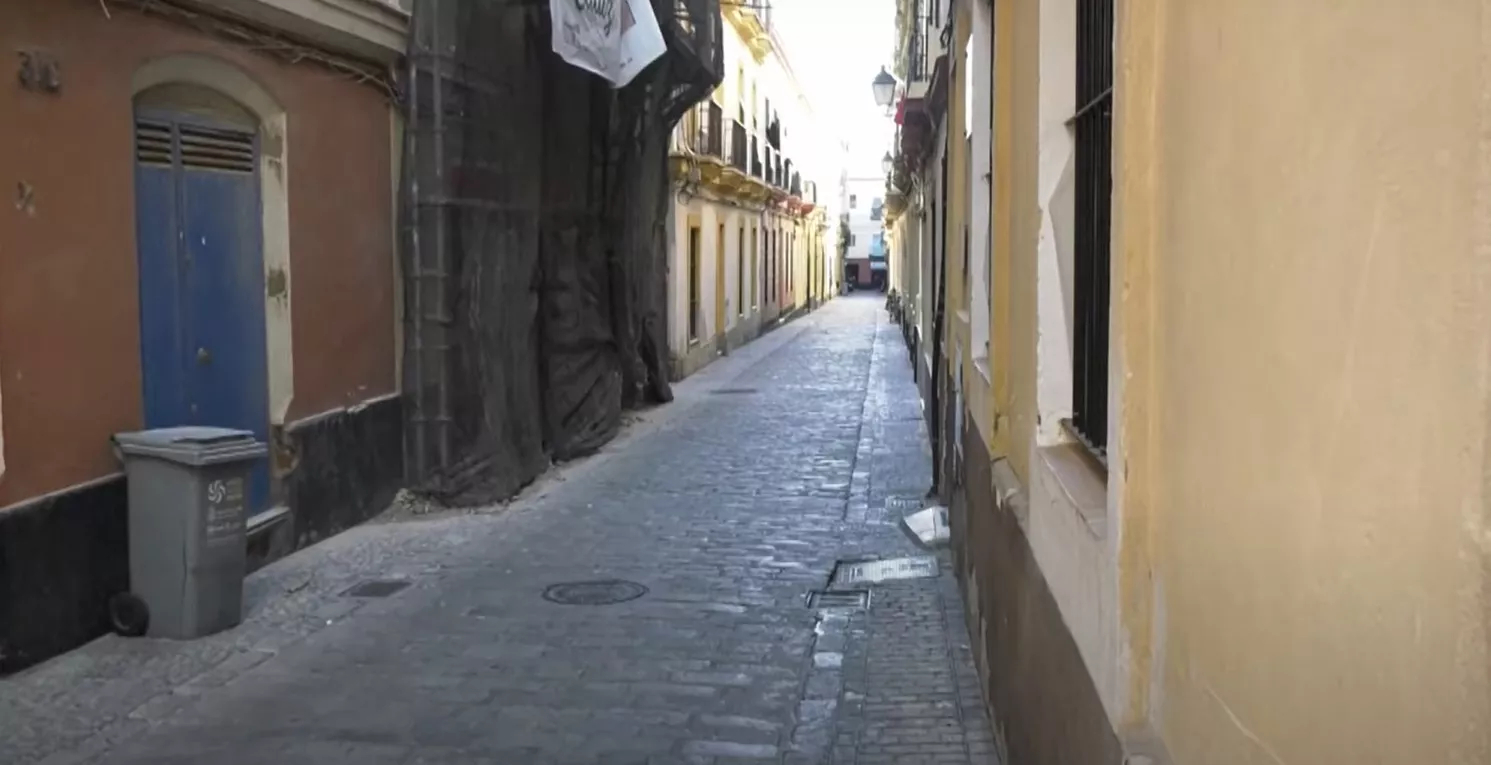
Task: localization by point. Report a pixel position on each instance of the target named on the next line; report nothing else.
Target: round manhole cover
(597, 593)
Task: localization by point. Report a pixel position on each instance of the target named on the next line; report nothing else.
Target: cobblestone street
(729, 506)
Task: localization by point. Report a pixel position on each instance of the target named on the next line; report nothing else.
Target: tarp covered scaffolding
(535, 201)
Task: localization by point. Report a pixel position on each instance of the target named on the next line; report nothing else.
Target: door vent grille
(213, 149)
(152, 143)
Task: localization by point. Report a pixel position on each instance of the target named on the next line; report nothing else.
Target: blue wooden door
(202, 343)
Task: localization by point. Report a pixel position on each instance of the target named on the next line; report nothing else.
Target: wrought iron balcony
(701, 131)
(714, 129)
(739, 147)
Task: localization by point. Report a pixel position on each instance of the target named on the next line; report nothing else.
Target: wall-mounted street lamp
(887, 163)
(885, 88)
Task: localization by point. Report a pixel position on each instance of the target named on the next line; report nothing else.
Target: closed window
(694, 316)
(740, 259)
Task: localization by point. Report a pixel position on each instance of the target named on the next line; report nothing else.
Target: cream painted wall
(709, 215)
(1057, 103)
(816, 156)
(1070, 501)
(1321, 289)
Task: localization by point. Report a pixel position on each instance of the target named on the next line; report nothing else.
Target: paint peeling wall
(69, 339)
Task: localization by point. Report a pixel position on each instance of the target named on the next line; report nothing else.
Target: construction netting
(535, 201)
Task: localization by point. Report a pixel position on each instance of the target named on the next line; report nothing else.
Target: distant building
(865, 258)
(755, 177)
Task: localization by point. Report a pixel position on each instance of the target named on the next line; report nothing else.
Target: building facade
(864, 216)
(1204, 352)
(755, 178)
(202, 233)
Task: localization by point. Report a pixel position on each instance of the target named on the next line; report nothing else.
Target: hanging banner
(615, 39)
(641, 41)
(587, 33)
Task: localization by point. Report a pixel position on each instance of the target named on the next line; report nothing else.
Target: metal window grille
(1093, 125)
(740, 255)
(714, 138)
(694, 283)
(755, 272)
(739, 148)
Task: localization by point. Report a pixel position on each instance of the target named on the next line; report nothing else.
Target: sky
(836, 47)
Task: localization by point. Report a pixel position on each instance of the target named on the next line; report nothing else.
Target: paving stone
(729, 509)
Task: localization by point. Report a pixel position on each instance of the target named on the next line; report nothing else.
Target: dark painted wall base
(1043, 701)
(349, 465)
(60, 560)
(62, 557)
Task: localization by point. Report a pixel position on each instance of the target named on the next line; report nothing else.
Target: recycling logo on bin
(225, 502)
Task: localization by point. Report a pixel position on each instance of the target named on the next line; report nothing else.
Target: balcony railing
(703, 130)
(714, 127)
(917, 67)
(739, 147)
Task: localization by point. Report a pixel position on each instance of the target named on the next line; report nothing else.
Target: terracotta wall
(69, 340)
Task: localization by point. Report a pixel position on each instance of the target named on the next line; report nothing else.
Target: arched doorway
(199, 237)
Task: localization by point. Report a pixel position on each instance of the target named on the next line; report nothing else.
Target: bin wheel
(128, 614)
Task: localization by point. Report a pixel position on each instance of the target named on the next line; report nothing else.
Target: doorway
(198, 228)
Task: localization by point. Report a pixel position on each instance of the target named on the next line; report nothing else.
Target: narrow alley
(717, 515)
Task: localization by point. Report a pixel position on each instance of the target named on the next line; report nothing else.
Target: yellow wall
(1012, 305)
(1309, 181)
(978, 393)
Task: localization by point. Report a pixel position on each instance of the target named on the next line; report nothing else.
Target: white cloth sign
(641, 41)
(615, 39)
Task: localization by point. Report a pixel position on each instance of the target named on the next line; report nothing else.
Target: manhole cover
(598, 593)
(375, 588)
(869, 572)
(839, 599)
(733, 391)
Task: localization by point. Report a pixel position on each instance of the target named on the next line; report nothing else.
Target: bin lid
(192, 445)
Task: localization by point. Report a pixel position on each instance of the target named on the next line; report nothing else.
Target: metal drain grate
(869, 572)
(733, 391)
(839, 599)
(903, 505)
(597, 593)
(375, 588)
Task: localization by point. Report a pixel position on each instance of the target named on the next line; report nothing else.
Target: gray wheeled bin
(188, 502)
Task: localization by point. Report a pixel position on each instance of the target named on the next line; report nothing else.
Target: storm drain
(839, 599)
(903, 505)
(872, 571)
(733, 391)
(597, 593)
(375, 588)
